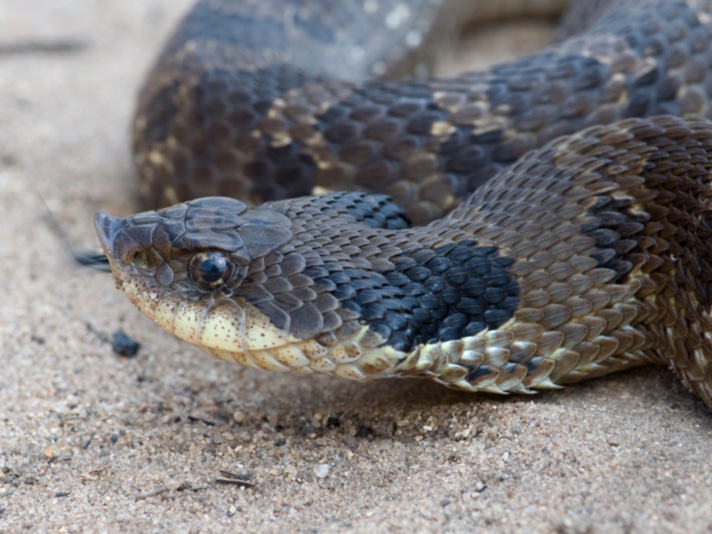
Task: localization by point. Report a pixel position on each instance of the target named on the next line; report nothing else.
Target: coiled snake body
(581, 257)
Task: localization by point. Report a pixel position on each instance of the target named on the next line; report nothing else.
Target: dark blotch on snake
(438, 294)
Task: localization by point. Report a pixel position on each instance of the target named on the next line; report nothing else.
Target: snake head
(184, 266)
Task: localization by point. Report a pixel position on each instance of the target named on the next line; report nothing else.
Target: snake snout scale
(517, 229)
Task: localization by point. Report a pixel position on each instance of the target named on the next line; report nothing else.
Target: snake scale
(511, 230)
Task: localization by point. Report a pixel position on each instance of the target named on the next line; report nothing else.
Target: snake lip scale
(518, 229)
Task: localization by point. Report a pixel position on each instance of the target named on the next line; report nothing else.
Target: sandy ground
(91, 441)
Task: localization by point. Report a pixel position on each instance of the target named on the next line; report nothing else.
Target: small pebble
(273, 419)
(239, 417)
(321, 470)
(123, 345)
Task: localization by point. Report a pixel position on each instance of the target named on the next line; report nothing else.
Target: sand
(92, 441)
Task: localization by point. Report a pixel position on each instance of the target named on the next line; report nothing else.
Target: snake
(510, 230)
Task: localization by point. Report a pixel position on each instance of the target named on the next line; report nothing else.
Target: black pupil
(212, 268)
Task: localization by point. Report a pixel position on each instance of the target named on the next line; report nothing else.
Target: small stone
(50, 452)
(123, 345)
(363, 432)
(239, 417)
(273, 419)
(321, 470)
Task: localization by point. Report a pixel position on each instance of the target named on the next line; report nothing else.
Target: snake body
(583, 255)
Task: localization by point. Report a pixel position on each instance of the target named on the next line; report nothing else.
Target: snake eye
(209, 270)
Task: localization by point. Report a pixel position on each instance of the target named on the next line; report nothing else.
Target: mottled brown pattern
(610, 226)
(234, 107)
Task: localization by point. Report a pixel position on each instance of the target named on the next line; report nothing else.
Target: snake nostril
(145, 260)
